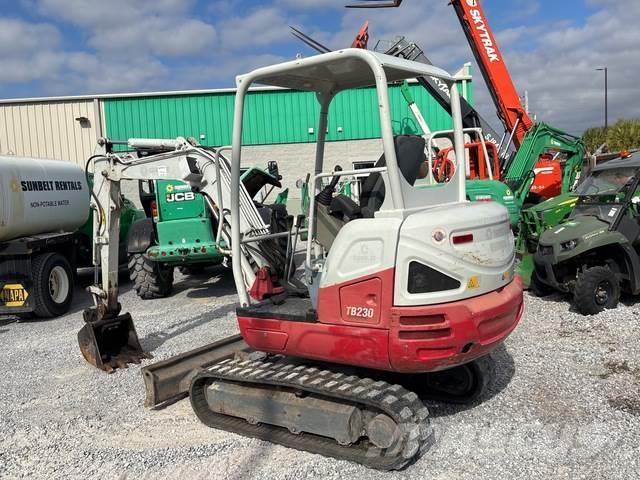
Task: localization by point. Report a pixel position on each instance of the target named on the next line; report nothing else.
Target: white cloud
(128, 45)
(158, 27)
(18, 37)
(264, 26)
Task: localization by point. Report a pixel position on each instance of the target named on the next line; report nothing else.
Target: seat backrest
(410, 156)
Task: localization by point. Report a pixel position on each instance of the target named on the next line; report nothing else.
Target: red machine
(478, 162)
(514, 117)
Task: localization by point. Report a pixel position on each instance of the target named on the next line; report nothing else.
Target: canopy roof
(340, 70)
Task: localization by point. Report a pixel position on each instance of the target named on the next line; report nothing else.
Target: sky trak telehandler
(547, 160)
(410, 286)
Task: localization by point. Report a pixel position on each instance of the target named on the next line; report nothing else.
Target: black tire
(538, 288)
(53, 283)
(150, 279)
(597, 289)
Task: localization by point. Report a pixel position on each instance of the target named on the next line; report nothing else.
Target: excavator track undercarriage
(324, 411)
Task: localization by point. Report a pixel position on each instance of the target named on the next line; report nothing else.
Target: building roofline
(65, 98)
(169, 93)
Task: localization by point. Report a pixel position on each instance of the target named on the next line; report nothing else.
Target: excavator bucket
(111, 343)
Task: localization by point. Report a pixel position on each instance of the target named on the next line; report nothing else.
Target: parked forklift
(594, 253)
(408, 285)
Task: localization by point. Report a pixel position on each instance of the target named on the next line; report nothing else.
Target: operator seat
(410, 156)
(332, 215)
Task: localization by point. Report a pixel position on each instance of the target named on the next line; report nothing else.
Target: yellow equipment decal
(474, 282)
(13, 295)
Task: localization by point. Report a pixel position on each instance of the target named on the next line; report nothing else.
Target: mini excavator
(407, 289)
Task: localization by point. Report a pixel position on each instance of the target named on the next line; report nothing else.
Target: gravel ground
(565, 403)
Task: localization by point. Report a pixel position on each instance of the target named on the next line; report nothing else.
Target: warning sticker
(474, 282)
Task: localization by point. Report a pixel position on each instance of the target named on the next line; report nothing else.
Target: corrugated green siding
(271, 117)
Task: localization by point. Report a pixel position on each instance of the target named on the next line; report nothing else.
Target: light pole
(606, 95)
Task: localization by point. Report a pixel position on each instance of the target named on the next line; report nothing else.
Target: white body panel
(363, 247)
(481, 266)
(40, 196)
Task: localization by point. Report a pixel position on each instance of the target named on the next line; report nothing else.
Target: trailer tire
(150, 279)
(52, 285)
(597, 289)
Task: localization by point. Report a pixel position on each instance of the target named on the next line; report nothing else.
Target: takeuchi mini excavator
(407, 290)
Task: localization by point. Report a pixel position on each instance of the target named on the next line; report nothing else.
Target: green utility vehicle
(519, 172)
(534, 222)
(180, 231)
(510, 181)
(594, 253)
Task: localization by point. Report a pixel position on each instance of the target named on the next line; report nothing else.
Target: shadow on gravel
(155, 340)
(217, 281)
(81, 298)
(7, 321)
(505, 369)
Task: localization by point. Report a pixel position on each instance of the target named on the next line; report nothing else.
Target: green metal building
(273, 116)
(67, 128)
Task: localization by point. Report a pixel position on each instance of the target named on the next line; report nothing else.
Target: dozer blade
(170, 379)
(111, 343)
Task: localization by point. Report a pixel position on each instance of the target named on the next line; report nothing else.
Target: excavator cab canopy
(326, 75)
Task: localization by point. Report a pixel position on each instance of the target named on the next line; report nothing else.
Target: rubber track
(402, 405)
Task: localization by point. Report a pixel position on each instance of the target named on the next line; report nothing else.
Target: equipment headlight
(570, 245)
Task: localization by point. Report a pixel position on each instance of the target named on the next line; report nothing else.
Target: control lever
(326, 195)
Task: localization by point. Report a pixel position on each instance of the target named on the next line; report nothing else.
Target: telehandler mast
(525, 170)
(407, 283)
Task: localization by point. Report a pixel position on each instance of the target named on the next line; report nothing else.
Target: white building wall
(49, 129)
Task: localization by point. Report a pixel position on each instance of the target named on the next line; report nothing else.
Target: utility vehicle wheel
(459, 385)
(52, 285)
(538, 288)
(597, 288)
(150, 279)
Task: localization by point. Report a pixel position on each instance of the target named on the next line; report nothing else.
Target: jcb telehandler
(179, 230)
(407, 286)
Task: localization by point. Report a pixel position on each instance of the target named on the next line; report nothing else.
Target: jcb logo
(181, 197)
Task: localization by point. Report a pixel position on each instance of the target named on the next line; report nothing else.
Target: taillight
(154, 211)
(460, 239)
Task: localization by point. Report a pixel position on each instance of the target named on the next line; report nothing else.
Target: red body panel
(548, 181)
(401, 339)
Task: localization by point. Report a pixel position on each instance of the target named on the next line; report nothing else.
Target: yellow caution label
(506, 276)
(13, 295)
(474, 282)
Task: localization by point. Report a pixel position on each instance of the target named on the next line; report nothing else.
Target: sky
(552, 47)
